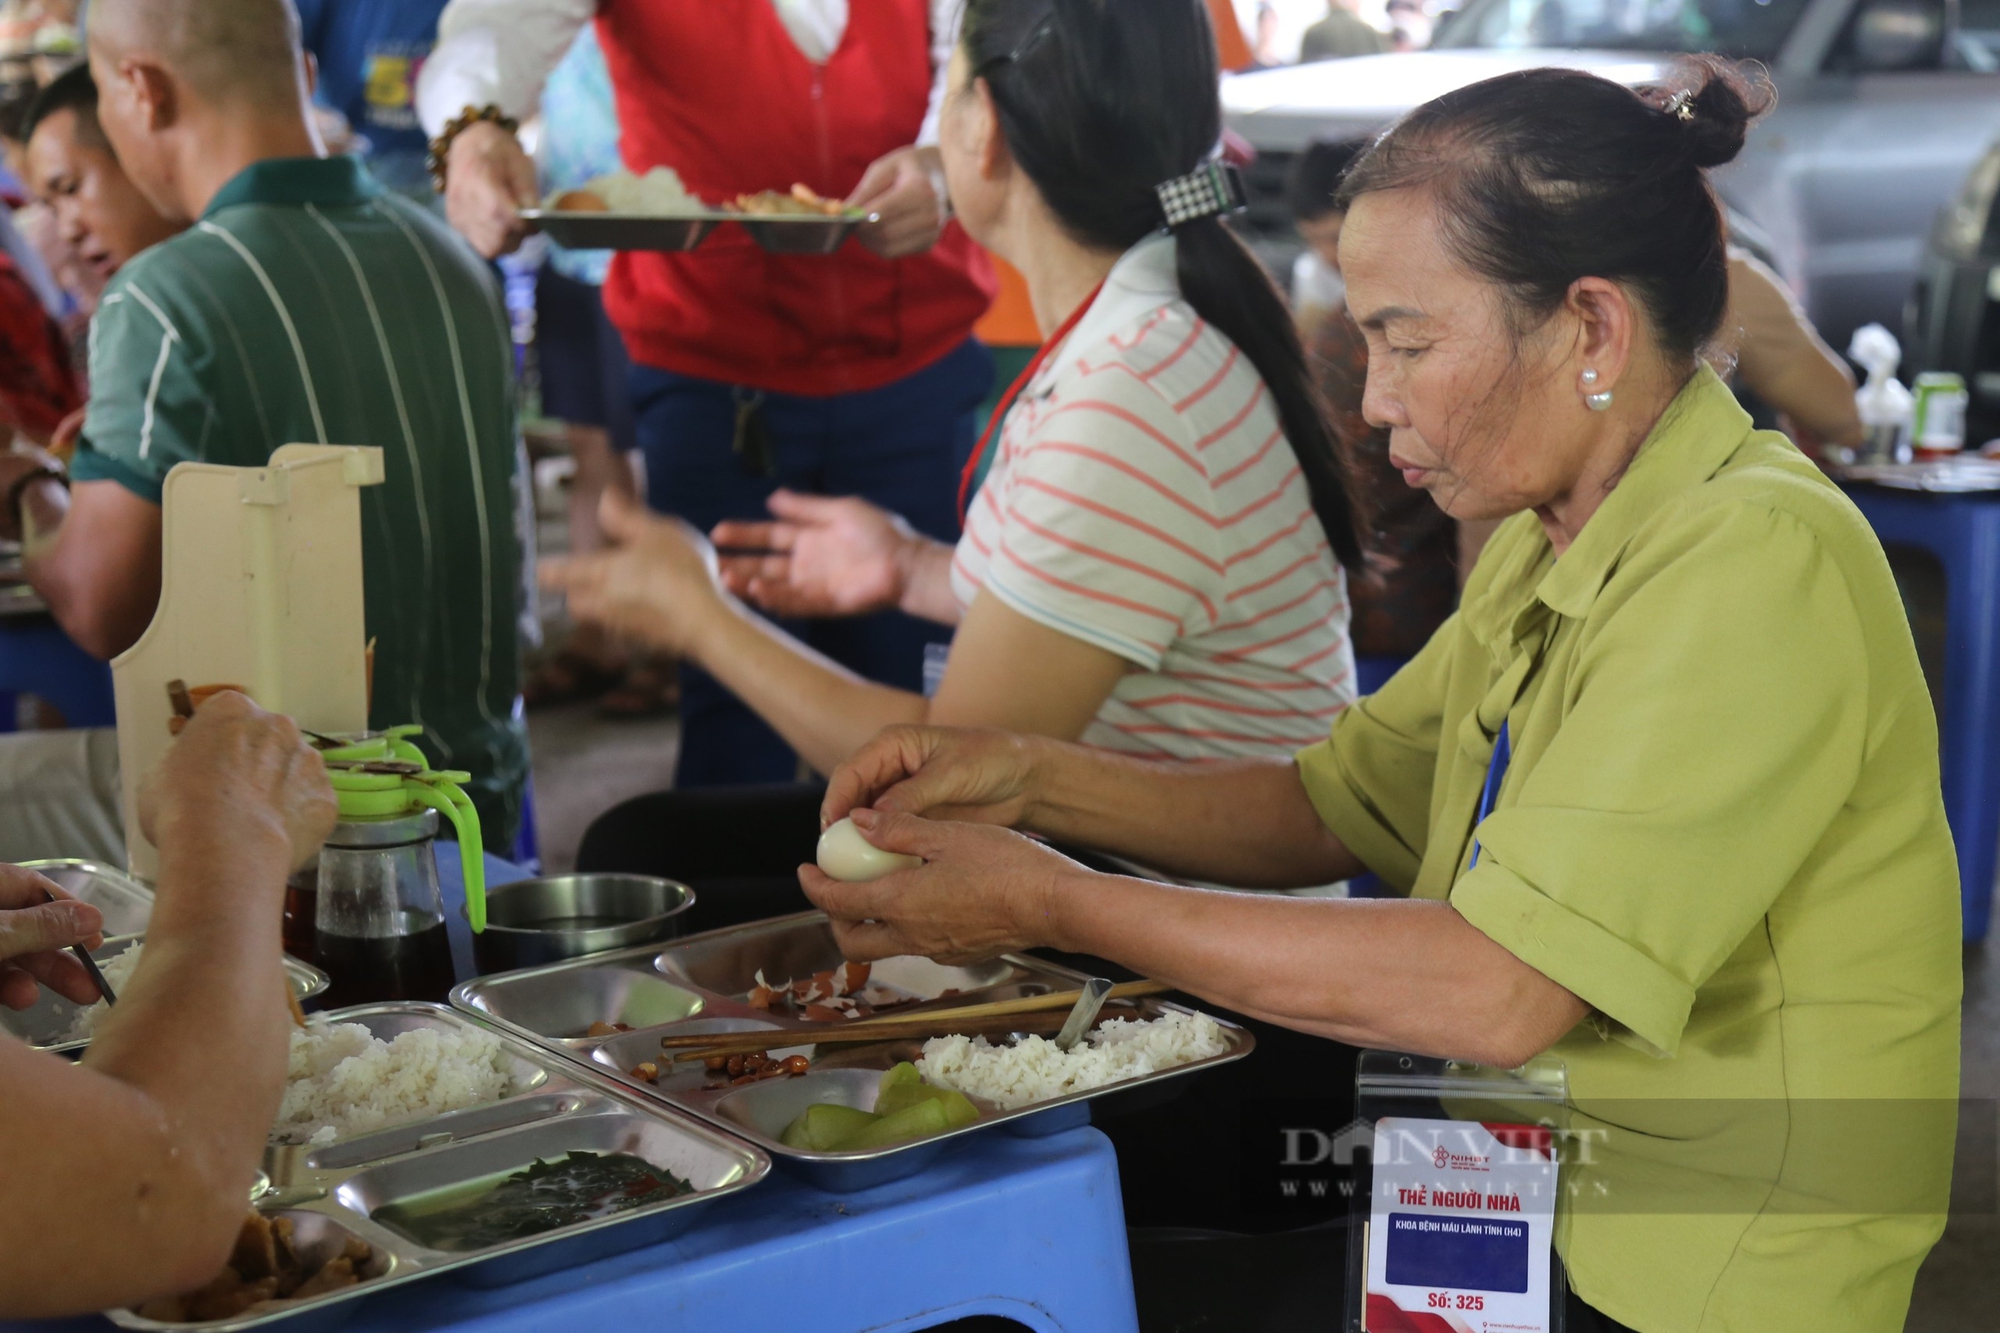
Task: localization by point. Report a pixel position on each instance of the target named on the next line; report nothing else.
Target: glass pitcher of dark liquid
(379, 928)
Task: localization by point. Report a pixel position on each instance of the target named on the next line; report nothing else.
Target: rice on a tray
(117, 971)
(1034, 1070)
(344, 1080)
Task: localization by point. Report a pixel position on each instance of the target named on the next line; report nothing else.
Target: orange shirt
(1230, 42)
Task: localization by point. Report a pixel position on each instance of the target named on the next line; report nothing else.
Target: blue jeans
(900, 447)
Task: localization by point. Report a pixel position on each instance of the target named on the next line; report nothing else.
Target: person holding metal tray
(1151, 565)
(127, 1174)
(851, 373)
(1663, 795)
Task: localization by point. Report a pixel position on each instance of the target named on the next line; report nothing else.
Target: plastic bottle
(1884, 405)
(1938, 422)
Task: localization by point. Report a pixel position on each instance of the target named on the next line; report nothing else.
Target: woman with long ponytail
(1102, 105)
(1155, 526)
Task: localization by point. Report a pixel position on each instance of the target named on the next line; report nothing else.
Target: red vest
(717, 90)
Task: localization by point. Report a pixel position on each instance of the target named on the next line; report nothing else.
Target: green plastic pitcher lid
(382, 776)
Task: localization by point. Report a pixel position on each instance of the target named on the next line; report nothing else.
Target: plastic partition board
(261, 588)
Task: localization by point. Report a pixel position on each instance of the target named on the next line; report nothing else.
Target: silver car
(1883, 107)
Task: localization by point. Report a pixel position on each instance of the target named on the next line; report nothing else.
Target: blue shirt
(579, 142)
(369, 53)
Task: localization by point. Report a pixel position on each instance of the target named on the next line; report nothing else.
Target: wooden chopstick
(1045, 1022)
(1026, 1004)
(932, 1022)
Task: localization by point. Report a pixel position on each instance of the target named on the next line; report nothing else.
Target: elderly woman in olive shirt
(1714, 870)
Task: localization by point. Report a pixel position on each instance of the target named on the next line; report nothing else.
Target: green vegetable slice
(912, 1122)
(901, 1087)
(826, 1127)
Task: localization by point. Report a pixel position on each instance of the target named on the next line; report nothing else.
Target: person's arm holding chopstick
(127, 1175)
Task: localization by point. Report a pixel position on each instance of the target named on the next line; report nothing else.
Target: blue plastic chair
(1963, 532)
(37, 658)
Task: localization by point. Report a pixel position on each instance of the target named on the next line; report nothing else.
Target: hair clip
(1212, 189)
(1681, 104)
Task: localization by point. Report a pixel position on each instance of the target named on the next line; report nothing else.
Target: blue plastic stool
(1963, 532)
(37, 658)
(1028, 1229)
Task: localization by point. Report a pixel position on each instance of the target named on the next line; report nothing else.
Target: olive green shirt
(309, 305)
(1721, 829)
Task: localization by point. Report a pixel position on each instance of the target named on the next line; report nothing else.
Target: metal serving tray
(43, 1025)
(331, 1191)
(779, 233)
(127, 904)
(622, 231)
(699, 985)
(802, 233)
(16, 597)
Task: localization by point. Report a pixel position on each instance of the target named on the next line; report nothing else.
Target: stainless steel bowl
(536, 921)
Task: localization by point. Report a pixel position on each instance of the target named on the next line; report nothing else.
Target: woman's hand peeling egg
(845, 855)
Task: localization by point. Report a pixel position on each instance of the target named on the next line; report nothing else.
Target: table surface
(1968, 474)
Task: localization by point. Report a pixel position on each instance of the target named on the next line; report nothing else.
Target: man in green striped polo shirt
(303, 303)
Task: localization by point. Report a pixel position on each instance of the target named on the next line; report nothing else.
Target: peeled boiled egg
(845, 855)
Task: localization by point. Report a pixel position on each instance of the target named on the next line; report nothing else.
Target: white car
(1883, 107)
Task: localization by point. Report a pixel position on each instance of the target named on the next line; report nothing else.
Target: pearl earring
(1598, 401)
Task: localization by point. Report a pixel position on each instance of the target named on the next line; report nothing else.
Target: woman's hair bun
(1714, 100)
(1549, 175)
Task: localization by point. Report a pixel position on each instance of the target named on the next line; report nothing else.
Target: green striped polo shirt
(310, 305)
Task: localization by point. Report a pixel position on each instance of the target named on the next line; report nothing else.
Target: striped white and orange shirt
(1145, 499)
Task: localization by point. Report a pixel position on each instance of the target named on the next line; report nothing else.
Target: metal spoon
(1095, 991)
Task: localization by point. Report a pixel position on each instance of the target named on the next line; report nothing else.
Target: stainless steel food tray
(43, 1025)
(17, 598)
(127, 904)
(330, 1191)
(802, 233)
(779, 233)
(621, 231)
(699, 985)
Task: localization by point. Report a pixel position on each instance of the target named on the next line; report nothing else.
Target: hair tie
(1681, 105)
(1210, 190)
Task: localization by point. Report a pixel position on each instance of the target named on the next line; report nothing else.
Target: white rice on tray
(344, 1080)
(659, 192)
(1033, 1070)
(117, 971)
